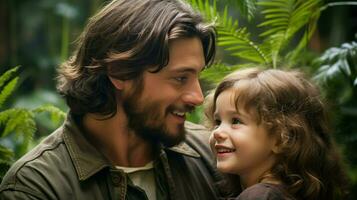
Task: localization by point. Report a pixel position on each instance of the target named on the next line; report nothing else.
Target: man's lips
(181, 111)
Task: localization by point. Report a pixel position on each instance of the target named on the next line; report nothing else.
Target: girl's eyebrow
(230, 112)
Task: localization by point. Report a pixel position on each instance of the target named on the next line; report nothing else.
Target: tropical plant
(337, 75)
(284, 20)
(18, 123)
(285, 31)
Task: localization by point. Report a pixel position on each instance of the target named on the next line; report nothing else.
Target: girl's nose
(219, 134)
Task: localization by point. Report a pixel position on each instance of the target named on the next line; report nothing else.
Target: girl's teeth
(225, 150)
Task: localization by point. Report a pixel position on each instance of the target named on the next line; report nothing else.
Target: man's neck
(119, 144)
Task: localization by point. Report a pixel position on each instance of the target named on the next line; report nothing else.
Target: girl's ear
(276, 148)
(118, 84)
(276, 145)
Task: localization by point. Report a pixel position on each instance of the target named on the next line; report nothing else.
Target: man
(129, 86)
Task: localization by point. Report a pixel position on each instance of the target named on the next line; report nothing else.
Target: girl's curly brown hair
(291, 108)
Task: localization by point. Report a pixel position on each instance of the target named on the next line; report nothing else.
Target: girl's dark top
(265, 191)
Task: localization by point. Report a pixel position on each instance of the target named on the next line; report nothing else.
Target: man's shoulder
(38, 166)
(197, 134)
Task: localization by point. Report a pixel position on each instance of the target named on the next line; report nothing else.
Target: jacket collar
(87, 160)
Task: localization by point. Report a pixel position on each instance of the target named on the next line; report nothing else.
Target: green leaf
(216, 72)
(7, 90)
(56, 114)
(283, 19)
(6, 154)
(338, 62)
(233, 38)
(247, 8)
(20, 120)
(7, 75)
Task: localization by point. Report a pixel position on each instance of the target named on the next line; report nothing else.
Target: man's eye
(236, 121)
(181, 79)
(217, 123)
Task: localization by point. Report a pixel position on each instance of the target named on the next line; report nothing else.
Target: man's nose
(194, 96)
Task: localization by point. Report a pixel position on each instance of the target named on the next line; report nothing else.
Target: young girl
(270, 128)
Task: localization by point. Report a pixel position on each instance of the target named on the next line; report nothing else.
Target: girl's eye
(236, 121)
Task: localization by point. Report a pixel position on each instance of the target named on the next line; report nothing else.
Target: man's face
(156, 107)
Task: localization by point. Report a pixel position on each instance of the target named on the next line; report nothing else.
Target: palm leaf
(247, 8)
(283, 19)
(233, 38)
(294, 55)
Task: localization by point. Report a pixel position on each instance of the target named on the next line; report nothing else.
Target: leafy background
(316, 36)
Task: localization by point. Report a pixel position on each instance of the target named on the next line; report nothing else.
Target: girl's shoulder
(265, 191)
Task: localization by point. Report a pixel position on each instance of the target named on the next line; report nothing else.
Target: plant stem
(344, 3)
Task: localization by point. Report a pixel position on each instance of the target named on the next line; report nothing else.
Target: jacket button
(116, 179)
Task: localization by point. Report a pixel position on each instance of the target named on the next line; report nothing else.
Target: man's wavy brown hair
(291, 108)
(122, 40)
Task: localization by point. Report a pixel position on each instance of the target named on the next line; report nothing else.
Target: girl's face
(241, 145)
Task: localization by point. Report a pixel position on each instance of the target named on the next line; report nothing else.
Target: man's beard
(147, 121)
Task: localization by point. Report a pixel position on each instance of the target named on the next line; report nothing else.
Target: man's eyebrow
(186, 69)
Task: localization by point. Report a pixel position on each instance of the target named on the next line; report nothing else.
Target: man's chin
(167, 136)
(173, 137)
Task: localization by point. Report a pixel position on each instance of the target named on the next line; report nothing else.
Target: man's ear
(118, 84)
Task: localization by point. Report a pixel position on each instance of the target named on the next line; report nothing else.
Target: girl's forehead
(236, 101)
(226, 98)
(227, 101)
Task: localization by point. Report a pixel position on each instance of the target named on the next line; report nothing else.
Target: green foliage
(18, 121)
(231, 36)
(284, 33)
(247, 8)
(215, 72)
(337, 75)
(339, 62)
(283, 19)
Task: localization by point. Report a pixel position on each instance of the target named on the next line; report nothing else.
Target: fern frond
(27, 128)
(283, 18)
(6, 159)
(6, 154)
(20, 120)
(5, 115)
(7, 75)
(56, 114)
(7, 90)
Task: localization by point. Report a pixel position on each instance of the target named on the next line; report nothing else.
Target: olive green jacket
(66, 166)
